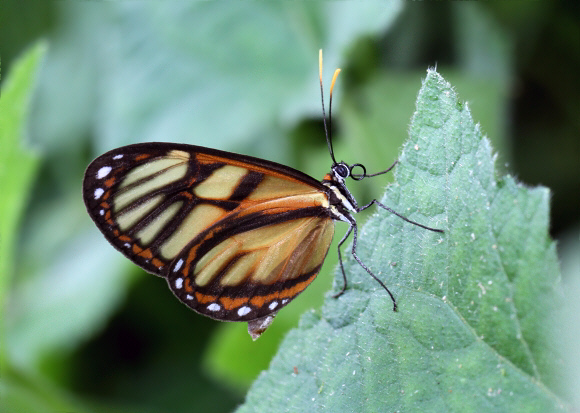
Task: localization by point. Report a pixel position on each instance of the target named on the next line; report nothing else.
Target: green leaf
(568, 247)
(18, 168)
(18, 165)
(476, 304)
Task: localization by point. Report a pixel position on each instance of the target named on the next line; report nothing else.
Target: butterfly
(236, 237)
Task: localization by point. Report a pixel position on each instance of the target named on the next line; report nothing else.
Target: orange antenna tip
(336, 72)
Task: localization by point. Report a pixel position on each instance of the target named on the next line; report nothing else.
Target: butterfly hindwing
(164, 204)
(252, 264)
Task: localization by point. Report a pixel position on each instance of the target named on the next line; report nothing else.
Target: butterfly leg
(374, 201)
(362, 264)
(340, 260)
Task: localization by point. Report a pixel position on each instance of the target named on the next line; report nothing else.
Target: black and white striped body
(341, 201)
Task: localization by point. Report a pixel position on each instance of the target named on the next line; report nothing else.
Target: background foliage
(83, 329)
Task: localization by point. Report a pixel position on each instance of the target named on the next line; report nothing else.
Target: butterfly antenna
(383, 172)
(336, 72)
(326, 127)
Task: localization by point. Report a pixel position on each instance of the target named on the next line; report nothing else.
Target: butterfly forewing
(237, 237)
(137, 195)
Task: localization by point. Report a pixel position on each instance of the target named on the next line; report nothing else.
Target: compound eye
(342, 170)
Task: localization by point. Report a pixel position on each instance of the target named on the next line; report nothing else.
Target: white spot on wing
(102, 212)
(178, 265)
(179, 283)
(214, 307)
(99, 192)
(104, 171)
(284, 301)
(242, 311)
(273, 305)
(127, 245)
(189, 297)
(118, 156)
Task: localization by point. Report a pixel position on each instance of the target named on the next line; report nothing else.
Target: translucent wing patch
(151, 200)
(248, 268)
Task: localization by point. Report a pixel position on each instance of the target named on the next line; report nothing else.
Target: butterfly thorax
(341, 201)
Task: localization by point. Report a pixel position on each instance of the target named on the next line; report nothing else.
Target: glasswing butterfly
(236, 237)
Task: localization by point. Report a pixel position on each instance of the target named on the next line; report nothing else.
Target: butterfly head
(341, 170)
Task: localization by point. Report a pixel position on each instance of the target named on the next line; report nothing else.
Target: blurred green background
(83, 329)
